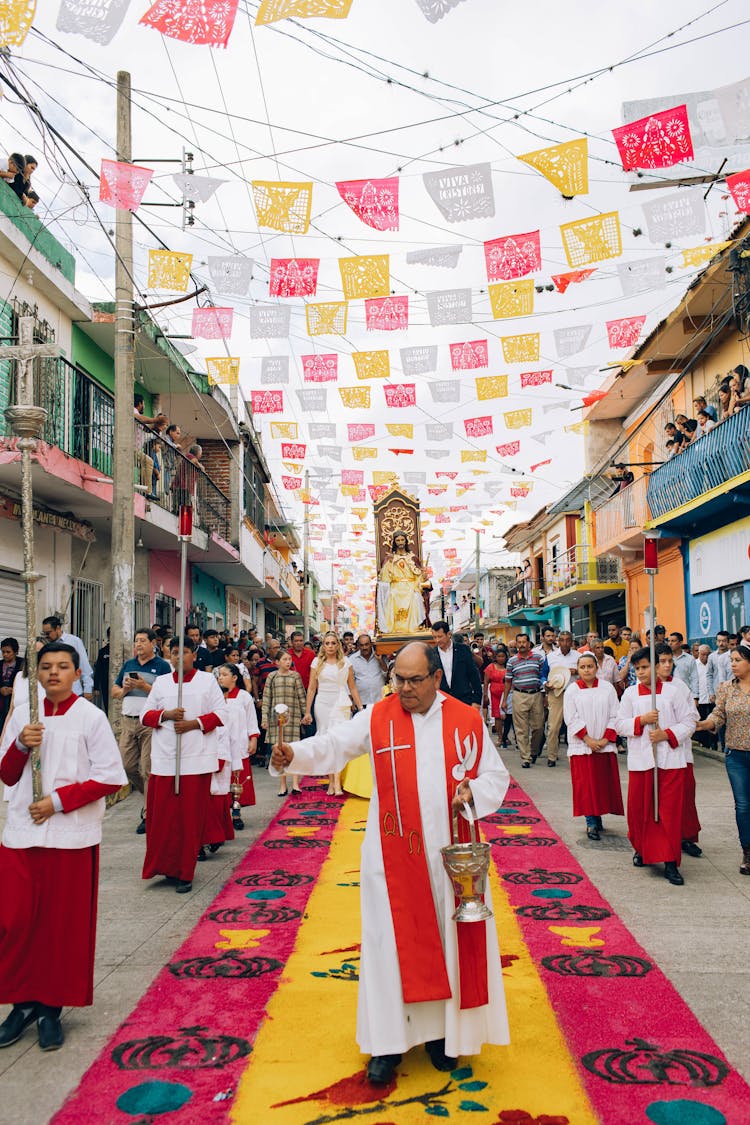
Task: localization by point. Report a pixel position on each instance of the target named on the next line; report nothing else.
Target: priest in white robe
(424, 979)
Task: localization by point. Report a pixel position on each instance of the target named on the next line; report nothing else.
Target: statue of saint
(400, 582)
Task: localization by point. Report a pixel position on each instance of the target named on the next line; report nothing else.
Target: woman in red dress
(494, 683)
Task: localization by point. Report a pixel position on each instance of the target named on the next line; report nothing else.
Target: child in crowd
(241, 731)
(49, 859)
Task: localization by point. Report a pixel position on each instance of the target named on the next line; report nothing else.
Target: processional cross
(27, 422)
(391, 749)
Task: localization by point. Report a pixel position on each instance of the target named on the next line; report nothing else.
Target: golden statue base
(388, 643)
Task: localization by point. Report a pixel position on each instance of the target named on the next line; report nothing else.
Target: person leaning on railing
(733, 711)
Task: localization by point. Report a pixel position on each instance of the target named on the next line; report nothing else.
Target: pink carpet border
(591, 1010)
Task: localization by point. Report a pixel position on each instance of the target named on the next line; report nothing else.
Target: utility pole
(123, 523)
(306, 561)
(477, 610)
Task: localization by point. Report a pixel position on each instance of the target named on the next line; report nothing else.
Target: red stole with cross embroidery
(421, 958)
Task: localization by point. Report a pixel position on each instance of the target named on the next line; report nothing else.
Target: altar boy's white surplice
(385, 1024)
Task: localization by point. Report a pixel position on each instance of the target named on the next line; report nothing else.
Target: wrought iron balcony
(80, 413)
(179, 481)
(579, 567)
(622, 517)
(707, 463)
(526, 593)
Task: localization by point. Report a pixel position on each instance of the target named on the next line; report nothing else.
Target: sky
(386, 93)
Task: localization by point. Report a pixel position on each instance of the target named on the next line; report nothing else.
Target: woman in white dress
(333, 688)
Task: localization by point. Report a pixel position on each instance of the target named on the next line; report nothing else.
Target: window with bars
(87, 615)
(165, 610)
(141, 612)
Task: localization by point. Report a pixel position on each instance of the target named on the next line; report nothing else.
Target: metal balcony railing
(578, 566)
(708, 462)
(623, 513)
(80, 413)
(527, 592)
(179, 481)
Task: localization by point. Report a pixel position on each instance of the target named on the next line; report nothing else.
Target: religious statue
(400, 583)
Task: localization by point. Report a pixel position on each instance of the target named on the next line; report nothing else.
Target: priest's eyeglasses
(410, 681)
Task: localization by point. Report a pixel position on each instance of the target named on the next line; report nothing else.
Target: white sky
(282, 102)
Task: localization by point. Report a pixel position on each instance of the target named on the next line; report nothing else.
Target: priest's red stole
(424, 975)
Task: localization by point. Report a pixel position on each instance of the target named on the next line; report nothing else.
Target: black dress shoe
(637, 859)
(691, 848)
(201, 856)
(381, 1068)
(183, 887)
(551, 762)
(593, 833)
(672, 874)
(12, 1028)
(525, 765)
(50, 1033)
(238, 824)
(436, 1050)
(141, 829)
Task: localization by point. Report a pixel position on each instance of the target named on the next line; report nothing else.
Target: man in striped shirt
(525, 675)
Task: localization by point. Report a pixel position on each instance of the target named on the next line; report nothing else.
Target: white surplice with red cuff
(676, 719)
(590, 711)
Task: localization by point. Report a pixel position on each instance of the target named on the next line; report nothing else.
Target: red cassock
(596, 785)
(48, 937)
(656, 841)
(177, 822)
(691, 825)
(248, 786)
(176, 825)
(591, 711)
(218, 828)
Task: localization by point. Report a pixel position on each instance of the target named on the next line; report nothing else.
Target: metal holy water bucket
(467, 866)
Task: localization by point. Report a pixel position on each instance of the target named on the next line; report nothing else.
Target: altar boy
(176, 821)
(49, 858)
(655, 740)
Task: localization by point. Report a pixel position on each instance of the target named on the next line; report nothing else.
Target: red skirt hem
(656, 841)
(48, 900)
(218, 827)
(247, 796)
(175, 825)
(691, 825)
(596, 784)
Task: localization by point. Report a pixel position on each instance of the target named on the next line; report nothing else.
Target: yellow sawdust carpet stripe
(306, 1046)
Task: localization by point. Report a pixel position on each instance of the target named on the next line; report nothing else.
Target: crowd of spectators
(734, 395)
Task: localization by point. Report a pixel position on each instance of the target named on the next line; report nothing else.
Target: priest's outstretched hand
(281, 755)
(462, 797)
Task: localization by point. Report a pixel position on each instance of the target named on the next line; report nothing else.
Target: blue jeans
(738, 769)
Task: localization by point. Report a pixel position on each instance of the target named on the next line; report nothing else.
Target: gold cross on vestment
(391, 749)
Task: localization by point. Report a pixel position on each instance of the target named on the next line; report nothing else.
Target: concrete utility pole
(27, 422)
(477, 610)
(306, 562)
(123, 523)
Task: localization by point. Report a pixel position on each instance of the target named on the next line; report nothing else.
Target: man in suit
(460, 677)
